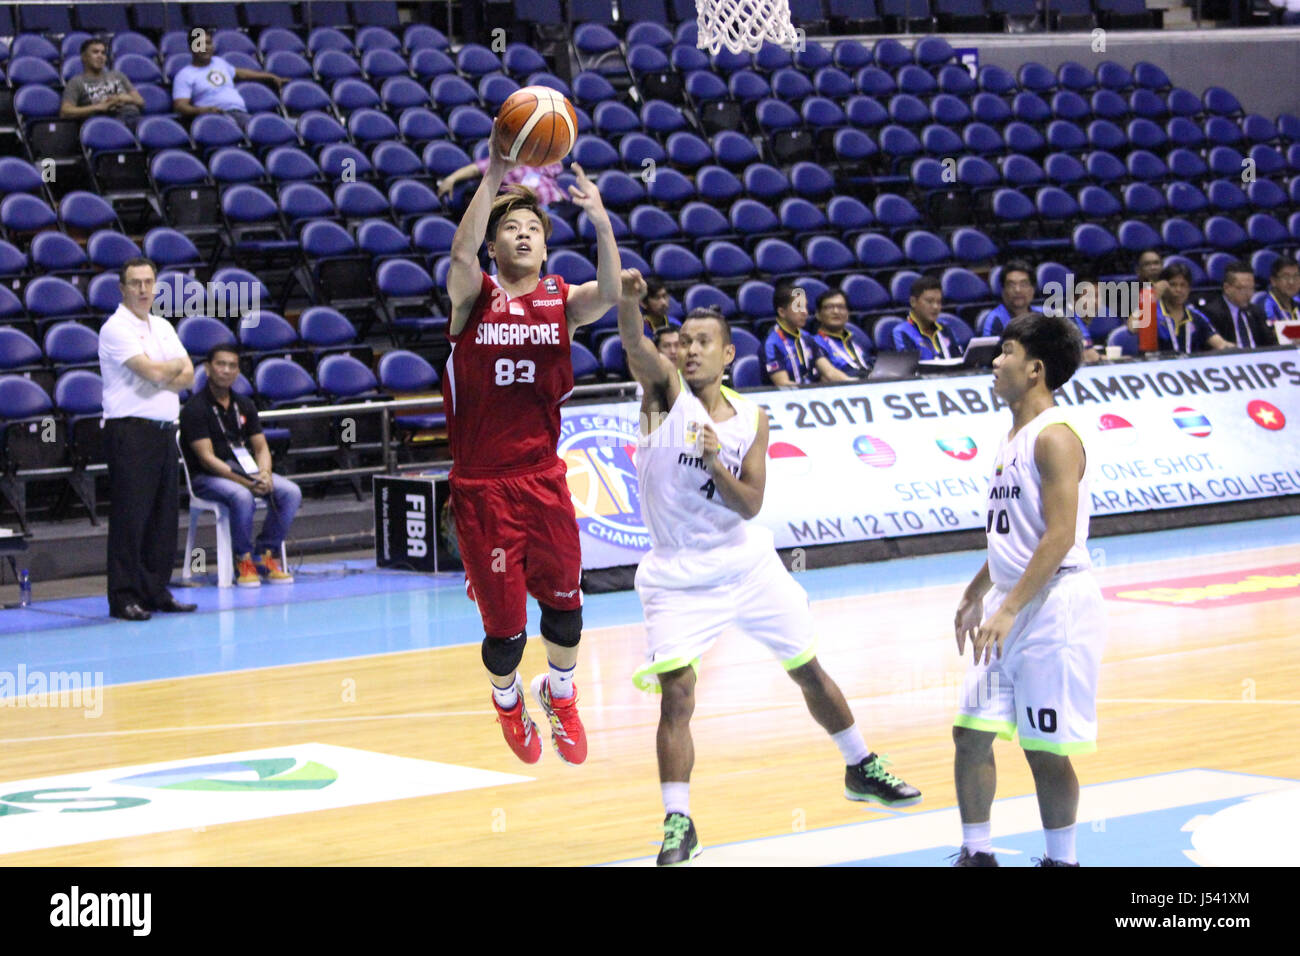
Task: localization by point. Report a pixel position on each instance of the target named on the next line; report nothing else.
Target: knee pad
(501, 655)
(562, 627)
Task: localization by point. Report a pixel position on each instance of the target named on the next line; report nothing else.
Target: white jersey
(1015, 522)
(697, 540)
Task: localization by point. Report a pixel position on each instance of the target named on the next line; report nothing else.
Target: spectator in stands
(924, 331)
(97, 91)
(666, 341)
(655, 306)
(1149, 265)
(1283, 293)
(1017, 295)
(790, 355)
(848, 359)
(543, 180)
(144, 368)
(1180, 326)
(1238, 320)
(207, 85)
(230, 462)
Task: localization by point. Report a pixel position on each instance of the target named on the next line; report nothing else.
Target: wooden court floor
(1214, 688)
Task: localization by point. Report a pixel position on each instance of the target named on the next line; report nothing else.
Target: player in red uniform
(507, 376)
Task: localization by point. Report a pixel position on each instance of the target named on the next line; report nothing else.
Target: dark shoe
(172, 606)
(967, 858)
(870, 781)
(132, 612)
(680, 843)
(1048, 861)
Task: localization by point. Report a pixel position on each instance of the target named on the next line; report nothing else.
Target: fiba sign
(599, 450)
(406, 523)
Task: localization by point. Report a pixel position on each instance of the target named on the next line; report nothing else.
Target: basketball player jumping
(507, 376)
(1033, 613)
(701, 462)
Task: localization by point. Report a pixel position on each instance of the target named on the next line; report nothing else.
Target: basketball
(536, 126)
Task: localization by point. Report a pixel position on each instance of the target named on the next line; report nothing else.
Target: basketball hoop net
(742, 26)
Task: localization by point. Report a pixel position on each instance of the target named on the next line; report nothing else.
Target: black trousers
(142, 473)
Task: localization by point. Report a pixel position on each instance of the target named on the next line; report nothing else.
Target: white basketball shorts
(1044, 686)
(683, 622)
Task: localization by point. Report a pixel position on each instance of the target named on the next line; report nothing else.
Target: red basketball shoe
(519, 730)
(567, 733)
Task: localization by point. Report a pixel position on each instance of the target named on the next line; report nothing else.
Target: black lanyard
(798, 365)
(936, 343)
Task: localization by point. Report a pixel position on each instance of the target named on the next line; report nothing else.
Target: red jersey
(508, 374)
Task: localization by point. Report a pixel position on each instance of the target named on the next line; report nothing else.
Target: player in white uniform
(701, 463)
(1033, 613)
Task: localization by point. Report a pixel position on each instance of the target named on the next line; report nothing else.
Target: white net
(742, 26)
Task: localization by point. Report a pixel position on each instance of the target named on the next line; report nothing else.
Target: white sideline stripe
(939, 829)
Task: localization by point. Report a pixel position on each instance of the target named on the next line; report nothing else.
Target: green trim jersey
(1015, 523)
(681, 506)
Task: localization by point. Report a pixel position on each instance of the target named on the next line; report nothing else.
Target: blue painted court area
(351, 609)
(1180, 818)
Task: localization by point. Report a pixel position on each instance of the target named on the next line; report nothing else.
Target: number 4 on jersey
(708, 488)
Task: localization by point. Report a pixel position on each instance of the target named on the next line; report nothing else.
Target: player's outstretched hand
(586, 196)
(991, 636)
(967, 621)
(496, 156)
(634, 285)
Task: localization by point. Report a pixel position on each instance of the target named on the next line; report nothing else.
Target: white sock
(977, 837)
(561, 682)
(677, 798)
(1060, 844)
(506, 697)
(852, 747)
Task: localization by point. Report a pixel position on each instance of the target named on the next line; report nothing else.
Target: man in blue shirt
(1283, 287)
(1181, 327)
(1085, 314)
(207, 85)
(848, 358)
(1017, 294)
(790, 355)
(924, 331)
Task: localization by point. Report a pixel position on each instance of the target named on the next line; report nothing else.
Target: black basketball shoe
(680, 843)
(967, 858)
(870, 781)
(1048, 861)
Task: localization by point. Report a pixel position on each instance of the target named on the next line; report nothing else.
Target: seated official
(1238, 320)
(1017, 296)
(655, 307)
(790, 355)
(848, 359)
(667, 341)
(207, 85)
(924, 331)
(230, 462)
(1084, 315)
(1282, 305)
(1180, 326)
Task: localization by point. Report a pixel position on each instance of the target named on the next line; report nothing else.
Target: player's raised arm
(465, 275)
(1060, 459)
(647, 366)
(590, 300)
(743, 495)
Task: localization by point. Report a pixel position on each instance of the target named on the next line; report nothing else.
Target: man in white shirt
(144, 367)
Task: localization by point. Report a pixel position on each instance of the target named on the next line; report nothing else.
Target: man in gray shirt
(100, 92)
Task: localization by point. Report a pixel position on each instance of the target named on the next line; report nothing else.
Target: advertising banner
(876, 460)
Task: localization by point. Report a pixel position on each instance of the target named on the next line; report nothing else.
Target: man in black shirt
(230, 462)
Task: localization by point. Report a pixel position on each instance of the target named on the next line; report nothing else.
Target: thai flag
(1192, 422)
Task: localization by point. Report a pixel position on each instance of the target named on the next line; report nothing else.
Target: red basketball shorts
(518, 536)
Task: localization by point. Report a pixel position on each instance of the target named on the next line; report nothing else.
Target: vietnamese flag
(961, 447)
(1266, 415)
